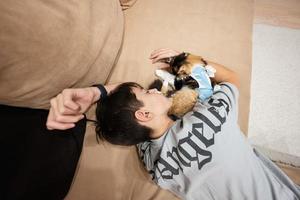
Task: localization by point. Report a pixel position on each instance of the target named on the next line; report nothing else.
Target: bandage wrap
(202, 75)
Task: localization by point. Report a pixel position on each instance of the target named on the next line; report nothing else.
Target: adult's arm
(68, 107)
(223, 74)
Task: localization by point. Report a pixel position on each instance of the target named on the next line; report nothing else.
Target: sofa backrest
(49, 45)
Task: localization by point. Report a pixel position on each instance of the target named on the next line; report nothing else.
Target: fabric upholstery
(49, 45)
(127, 3)
(217, 30)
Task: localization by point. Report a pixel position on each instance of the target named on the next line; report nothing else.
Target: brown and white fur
(185, 97)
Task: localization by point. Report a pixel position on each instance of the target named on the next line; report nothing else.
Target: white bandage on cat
(167, 78)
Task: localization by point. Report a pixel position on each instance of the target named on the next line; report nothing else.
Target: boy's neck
(167, 123)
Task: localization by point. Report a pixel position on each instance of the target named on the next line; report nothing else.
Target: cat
(187, 79)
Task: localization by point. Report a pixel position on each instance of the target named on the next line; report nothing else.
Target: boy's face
(153, 100)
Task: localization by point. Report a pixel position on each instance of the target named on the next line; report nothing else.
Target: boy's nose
(154, 91)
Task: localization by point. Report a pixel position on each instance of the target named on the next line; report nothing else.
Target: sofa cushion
(47, 46)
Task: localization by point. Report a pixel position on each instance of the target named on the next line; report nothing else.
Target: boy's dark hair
(116, 122)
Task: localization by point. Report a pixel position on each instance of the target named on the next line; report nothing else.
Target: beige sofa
(47, 46)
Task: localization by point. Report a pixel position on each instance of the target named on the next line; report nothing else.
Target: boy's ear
(143, 115)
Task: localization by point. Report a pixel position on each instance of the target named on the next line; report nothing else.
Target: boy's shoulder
(226, 90)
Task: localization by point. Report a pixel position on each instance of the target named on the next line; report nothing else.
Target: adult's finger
(160, 51)
(161, 65)
(166, 52)
(51, 124)
(161, 56)
(64, 109)
(68, 118)
(59, 126)
(164, 55)
(68, 99)
(49, 119)
(84, 98)
(63, 118)
(157, 51)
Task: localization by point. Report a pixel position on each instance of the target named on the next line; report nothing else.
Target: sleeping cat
(187, 79)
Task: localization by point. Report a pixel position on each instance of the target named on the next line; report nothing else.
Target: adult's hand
(159, 56)
(68, 107)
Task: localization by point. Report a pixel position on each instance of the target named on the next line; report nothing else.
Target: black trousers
(36, 163)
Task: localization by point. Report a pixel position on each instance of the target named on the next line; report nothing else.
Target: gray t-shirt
(205, 155)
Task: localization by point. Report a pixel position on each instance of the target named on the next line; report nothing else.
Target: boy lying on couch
(202, 155)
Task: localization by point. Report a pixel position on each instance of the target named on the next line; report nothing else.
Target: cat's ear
(178, 61)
